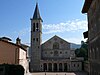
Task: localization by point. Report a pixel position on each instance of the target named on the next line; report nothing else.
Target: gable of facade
(56, 43)
(56, 48)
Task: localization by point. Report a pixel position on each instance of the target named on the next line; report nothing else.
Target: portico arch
(44, 67)
(65, 67)
(60, 66)
(55, 67)
(50, 67)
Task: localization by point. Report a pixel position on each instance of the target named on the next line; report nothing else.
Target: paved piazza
(60, 73)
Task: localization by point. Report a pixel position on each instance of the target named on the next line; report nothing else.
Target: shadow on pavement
(81, 73)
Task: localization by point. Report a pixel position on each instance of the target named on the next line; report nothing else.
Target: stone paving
(60, 73)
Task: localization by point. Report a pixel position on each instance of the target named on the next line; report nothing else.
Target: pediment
(55, 39)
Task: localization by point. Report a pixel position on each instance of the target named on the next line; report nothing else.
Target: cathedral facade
(53, 55)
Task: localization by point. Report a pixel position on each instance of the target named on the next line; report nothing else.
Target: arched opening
(55, 67)
(56, 45)
(37, 27)
(33, 27)
(60, 67)
(50, 67)
(44, 67)
(65, 67)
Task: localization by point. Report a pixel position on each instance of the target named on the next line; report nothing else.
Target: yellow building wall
(7, 53)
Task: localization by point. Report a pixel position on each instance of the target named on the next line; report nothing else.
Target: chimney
(18, 41)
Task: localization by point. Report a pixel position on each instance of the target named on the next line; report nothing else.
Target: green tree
(11, 69)
(82, 51)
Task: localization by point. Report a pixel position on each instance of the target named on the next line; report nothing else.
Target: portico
(60, 65)
(54, 66)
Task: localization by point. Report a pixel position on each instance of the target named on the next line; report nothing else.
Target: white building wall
(23, 60)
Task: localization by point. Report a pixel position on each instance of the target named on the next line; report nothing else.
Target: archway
(44, 67)
(60, 67)
(65, 67)
(50, 67)
(55, 67)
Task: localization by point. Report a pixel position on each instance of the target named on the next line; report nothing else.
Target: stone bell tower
(36, 39)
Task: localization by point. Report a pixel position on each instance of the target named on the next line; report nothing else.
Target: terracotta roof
(86, 6)
(6, 38)
(13, 44)
(36, 15)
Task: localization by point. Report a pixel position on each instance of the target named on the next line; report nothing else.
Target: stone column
(62, 66)
(42, 67)
(52, 67)
(47, 66)
(69, 66)
(57, 66)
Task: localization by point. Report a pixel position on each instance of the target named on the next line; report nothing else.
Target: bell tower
(36, 39)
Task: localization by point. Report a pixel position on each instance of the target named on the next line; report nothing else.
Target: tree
(11, 69)
(82, 51)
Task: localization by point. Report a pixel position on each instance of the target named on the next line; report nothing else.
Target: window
(74, 65)
(55, 53)
(34, 27)
(77, 65)
(37, 39)
(33, 39)
(56, 45)
(37, 26)
(51, 52)
(65, 52)
(41, 65)
(45, 52)
(60, 52)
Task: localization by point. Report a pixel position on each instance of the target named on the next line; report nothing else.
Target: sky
(60, 17)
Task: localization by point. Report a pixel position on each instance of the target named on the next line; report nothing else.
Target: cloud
(22, 32)
(69, 26)
(74, 40)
